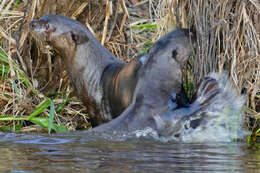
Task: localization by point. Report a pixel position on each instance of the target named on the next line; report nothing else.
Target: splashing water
(221, 121)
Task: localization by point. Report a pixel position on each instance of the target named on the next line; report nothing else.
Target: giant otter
(104, 83)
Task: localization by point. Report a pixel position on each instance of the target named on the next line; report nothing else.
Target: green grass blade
(40, 109)
(16, 90)
(11, 128)
(143, 26)
(59, 128)
(3, 56)
(51, 117)
(54, 94)
(62, 106)
(4, 69)
(4, 63)
(258, 132)
(12, 118)
(24, 79)
(43, 122)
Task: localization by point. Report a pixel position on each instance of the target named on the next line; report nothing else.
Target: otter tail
(215, 114)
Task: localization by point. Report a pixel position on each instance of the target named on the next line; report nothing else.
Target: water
(86, 152)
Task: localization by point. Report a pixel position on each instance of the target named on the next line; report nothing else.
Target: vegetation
(33, 92)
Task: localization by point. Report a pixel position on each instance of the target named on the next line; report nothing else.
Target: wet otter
(216, 109)
(155, 102)
(104, 83)
(159, 79)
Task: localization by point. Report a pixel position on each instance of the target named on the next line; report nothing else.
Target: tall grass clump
(229, 40)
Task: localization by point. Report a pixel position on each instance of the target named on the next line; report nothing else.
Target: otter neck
(119, 83)
(108, 79)
(85, 69)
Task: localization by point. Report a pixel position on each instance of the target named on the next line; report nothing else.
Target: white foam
(224, 116)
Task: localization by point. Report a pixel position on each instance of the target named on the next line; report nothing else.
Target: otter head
(165, 59)
(174, 47)
(60, 32)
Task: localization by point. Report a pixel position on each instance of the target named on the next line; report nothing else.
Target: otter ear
(175, 55)
(179, 58)
(78, 37)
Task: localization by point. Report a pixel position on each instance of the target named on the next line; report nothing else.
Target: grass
(20, 77)
(47, 122)
(43, 114)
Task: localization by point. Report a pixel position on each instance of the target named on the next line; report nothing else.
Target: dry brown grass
(228, 39)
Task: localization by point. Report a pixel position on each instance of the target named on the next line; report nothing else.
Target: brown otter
(162, 83)
(155, 101)
(168, 121)
(159, 78)
(216, 108)
(104, 83)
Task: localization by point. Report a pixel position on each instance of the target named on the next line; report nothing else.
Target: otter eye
(79, 38)
(174, 53)
(74, 37)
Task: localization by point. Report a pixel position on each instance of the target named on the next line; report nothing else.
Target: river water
(88, 152)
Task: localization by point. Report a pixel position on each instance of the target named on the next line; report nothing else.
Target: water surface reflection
(85, 152)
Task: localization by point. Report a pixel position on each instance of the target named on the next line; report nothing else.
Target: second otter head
(165, 59)
(59, 31)
(177, 45)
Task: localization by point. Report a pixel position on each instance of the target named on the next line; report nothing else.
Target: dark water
(86, 152)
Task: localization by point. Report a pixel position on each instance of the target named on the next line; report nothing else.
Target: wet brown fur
(109, 85)
(159, 77)
(119, 85)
